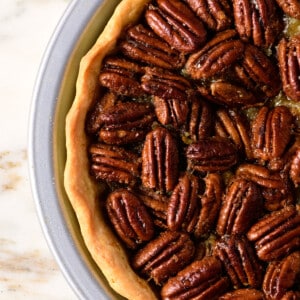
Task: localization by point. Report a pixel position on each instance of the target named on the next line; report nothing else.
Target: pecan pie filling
(193, 136)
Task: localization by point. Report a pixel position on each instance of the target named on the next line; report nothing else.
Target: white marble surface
(27, 268)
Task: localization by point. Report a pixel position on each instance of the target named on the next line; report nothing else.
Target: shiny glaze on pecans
(129, 217)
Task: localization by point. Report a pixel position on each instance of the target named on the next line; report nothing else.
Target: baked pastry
(180, 140)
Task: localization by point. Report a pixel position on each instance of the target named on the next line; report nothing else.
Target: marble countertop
(27, 268)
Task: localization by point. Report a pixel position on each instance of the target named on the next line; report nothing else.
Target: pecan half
(295, 168)
(183, 206)
(164, 256)
(275, 186)
(258, 73)
(200, 280)
(93, 120)
(291, 295)
(122, 77)
(241, 207)
(199, 120)
(242, 294)
(165, 84)
(210, 205)
(289, 65)
(211, 154)
(228, 93)
(277, 234)
(240, 261)
(216, 56)
(176, 23)
(160, 161)
(125, 122)
(290, 7)
(234, 125)
(144, 45)
(129, 217)
(282, 276)
(171, 111)
(271, 132)
(215, 14)
(114, 164)
(257, 22)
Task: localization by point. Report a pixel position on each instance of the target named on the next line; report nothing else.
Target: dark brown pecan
(240, 262)
(295, 168)
(93, 120)
(210, 205)
(184, 203)
(200, 280)
(290, 7)
(258, 73)
(262, 176)
(282, 276)
(143, 45)
(277, 234)
(241, 207)
(122, 77)
(257, 22)
(114, 164)
(275, 186)
(157, 206)
(271, 132)
(176, 23)
(165, 84)
(215, 14)
(228, 93)
(211, 154)
(129, 217)
(199, 120)
(242, 294)
(216, 56)
(289, 65)
(234, 125)
(164, 256)
(160, 161)
(125, 122)
(171, 111)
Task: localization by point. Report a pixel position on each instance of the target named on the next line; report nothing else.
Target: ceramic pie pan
(54, 92)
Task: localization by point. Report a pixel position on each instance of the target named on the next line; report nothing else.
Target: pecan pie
(183, 150)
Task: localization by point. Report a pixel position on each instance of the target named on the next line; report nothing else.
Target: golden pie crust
(83, 192)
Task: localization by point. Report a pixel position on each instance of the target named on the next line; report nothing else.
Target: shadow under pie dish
(183, 150)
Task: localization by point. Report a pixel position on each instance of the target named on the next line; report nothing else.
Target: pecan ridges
(114, 164)
(200, 280)
(129, 217)
(125, 123)
(271, 132)
(290, 7)
(216, 56)
(215, 14)
(289, 65)
(183, 206)
(257, 22)
(211, 154)
(241, 206)
(243, 294)
(282, 276)
(176, 23)
(277, 234)
(122, 77)
(164, 256)
(160, 161)
(240, 261)
(144, 45)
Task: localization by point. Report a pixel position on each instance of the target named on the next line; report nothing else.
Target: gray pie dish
(53, 94)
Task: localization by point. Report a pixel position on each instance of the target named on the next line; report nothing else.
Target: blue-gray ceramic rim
(46, 148)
